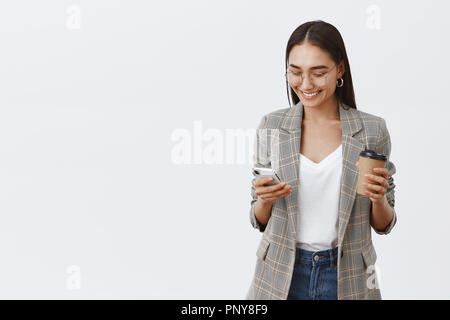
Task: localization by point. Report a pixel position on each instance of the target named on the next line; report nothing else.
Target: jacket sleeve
(260, 159)
(384, 143)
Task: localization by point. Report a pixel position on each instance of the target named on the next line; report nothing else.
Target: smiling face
(318, 71)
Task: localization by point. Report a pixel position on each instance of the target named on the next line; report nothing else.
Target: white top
(318, 198)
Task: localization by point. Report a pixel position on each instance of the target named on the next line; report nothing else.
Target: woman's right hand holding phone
(268, 194)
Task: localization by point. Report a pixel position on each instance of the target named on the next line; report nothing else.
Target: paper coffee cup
(368, 159)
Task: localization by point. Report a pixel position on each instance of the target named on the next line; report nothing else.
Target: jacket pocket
(262, 249)
(369, 255)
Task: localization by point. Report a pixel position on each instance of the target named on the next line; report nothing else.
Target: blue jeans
(315, 275)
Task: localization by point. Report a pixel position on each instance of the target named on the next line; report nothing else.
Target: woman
(316, 231)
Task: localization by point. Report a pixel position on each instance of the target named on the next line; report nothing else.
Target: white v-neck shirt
(318, 199)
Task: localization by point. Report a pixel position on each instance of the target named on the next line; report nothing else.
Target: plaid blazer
(275, 255)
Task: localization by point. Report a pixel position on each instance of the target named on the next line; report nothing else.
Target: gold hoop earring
(339, 84)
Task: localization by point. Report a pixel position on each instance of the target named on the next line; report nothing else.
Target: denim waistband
(328, 256)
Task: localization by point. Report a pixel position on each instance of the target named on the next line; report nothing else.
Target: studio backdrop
(127, 130)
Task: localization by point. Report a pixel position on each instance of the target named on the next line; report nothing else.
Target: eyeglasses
(296, 78)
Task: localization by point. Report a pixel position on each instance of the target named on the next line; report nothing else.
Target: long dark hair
(328, 38)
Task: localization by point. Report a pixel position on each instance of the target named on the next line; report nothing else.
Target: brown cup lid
(373, 155)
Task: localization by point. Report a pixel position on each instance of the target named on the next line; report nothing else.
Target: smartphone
(259, 172)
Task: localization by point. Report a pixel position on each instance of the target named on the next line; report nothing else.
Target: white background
(87, 176)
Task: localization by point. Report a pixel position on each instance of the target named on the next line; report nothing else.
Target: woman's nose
(306, 84)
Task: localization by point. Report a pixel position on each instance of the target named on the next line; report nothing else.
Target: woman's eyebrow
(312, 68)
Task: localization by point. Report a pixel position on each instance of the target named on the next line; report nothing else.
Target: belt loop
(331, 257)
(334, 260)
